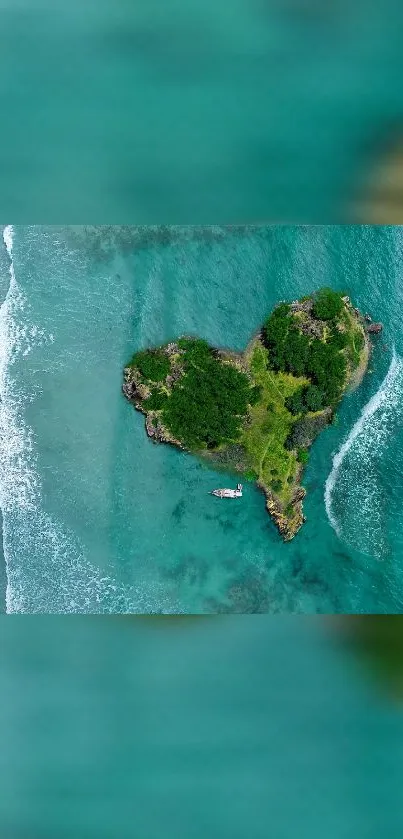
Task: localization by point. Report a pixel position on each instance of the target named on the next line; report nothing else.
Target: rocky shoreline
(370, 327)
(288, 526)
(135, 392)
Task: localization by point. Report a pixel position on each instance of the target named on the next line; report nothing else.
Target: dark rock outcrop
(374, 328)
(288, 521)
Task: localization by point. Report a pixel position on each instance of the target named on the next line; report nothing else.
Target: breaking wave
(353, 491)
(46, 567)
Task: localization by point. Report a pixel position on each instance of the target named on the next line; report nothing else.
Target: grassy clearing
(356, 341)
(270, 425)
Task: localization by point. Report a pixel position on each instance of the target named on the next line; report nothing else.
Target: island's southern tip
(257, 413)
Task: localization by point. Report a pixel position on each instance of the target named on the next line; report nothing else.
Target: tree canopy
(328, 304)
(321, 361)
(208, 403)
(154, 365)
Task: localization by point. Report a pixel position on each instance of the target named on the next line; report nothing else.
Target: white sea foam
(354, 477)
(54, 576)
(46, 567)
(19, 483)
(8, 236)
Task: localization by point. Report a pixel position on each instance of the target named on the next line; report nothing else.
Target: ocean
(96, 518)
(243, 111)
(193, 727)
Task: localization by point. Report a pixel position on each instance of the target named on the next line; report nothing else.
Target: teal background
(147, 113)
(217, 727)
(96, 517)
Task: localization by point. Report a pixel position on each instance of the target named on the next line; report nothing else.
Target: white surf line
(380, 398)
(20, 484)
(79, 585)
(19, 481)
(8, 233)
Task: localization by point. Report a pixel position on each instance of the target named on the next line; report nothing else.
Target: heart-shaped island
(257, 413)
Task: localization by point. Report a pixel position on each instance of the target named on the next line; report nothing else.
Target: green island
(257, 413)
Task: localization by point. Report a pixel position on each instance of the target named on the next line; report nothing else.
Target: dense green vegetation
(156, 400)
(309, 398)
(320, 360)
(327, 305)
(153, 364)
(209, 402)
(339, 340)
(288, 347)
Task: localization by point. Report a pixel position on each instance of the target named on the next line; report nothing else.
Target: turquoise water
(244, 727)
(243, 111)
(96, 517)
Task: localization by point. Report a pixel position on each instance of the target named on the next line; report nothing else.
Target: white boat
(228, 493)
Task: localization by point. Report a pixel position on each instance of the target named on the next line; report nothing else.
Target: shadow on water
(246, 593)
(102, 241)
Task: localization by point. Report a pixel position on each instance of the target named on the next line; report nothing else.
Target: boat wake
(46, 567)
(354, 497)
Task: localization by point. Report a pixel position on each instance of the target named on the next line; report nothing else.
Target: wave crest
(353, 492)
(46, 567)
